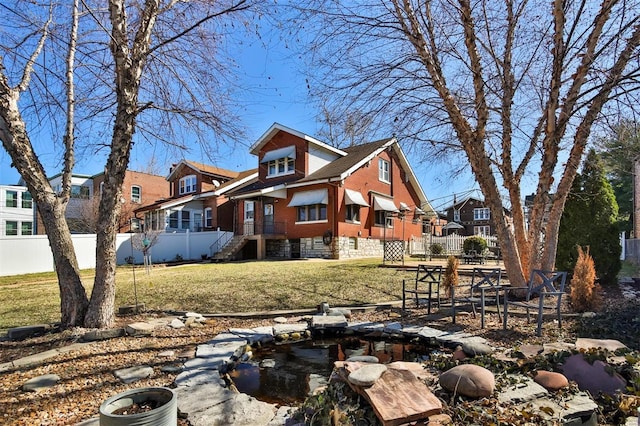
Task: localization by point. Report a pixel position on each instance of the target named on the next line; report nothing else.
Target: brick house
(314, 200)
(472, 215)
(197, 199)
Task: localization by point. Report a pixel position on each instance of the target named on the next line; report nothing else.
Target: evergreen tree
(590, 219)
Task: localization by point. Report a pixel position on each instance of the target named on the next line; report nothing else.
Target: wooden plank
(397, 397)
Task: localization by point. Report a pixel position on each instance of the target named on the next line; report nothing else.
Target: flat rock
(139, 329)
(575, 410)
(20, 333)
(241, 410)
(194, 399)
(415, 368)
(365, 326)
(254, 335)
(529, 351)
(132, 374)
(431, 333)
(521, 389)
(607, 344)
(595, 377)
(367, 374)
(364, 358)
(40, 382)
(191, 378)
(280, 320)
(551, 380)
(468, 380)
(474, 348)
(557, 347)
(321, 322)
(177, 324)
(97, 335)
(280, 329)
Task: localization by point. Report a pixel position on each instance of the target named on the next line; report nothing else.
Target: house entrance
(268, 219)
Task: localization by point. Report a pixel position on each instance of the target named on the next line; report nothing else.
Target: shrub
(584, 293)
(476, 243)
(436, 248)
(450, 278)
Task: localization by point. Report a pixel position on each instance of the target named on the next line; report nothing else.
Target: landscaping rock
(280, 320)
(97, 335)
(521, 389)
(473, 348)
(133, 374)
(364, 358)
(468, 380)
(177, 324)
(551, 380)
(367, 374)
(595, 377)
(529, 351)
(139, 329)
(323, 322)
(20, 333)
(607, 344)
(40, 382)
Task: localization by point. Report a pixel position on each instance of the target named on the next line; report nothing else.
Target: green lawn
(214, 288)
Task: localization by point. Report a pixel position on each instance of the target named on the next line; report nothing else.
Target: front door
(249, 211)
(197, 222)
(268, 219)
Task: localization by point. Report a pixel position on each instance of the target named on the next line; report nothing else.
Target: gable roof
(277, 127)
(204, 169)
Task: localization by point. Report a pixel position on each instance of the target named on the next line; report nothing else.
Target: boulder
(550, 380)
(469, 380)
(595, 378)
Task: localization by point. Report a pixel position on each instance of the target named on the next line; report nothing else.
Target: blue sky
(279, 95)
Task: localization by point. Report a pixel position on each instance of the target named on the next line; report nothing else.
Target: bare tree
(154, 68)
(515, 87)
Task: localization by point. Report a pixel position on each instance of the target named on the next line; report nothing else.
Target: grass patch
(629, 269)
(214, 288)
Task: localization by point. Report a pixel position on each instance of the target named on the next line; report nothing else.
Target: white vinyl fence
(31, 254)
(452, 244)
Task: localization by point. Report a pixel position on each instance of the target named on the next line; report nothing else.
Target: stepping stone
(40, 382)
(240, 410)
(279, 329)
(195, 378)
(132, 374)
(227, 339)
(607, 344)
(523, 389)
(254, 335)
(576, 410)
(365, 327)
(139, 329)
(97, 335)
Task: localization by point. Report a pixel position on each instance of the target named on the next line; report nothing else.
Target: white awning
(309, 198)
(404, 206)
(419, 211)
(289, 151)
(354, 197)
(385, 204)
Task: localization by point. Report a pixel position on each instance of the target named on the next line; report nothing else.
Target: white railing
(452, 244)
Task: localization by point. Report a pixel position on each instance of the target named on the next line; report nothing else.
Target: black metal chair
(548, 287)
(484, 282)
(424, 287)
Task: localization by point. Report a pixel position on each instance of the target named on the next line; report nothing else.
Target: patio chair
(548, 287)
(484, 288)
(425, 289)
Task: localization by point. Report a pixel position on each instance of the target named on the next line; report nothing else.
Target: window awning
(419, 211)
(289, 151)
(404, 206)
(354, 197)
(309, 198)
(385, 204)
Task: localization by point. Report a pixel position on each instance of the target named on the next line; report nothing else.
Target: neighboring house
(313, 200)
(470, 216)
(197, 200)
(139, 189)
(17, 212)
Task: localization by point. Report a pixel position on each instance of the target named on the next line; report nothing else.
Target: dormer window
(280, 161)
(187, 184)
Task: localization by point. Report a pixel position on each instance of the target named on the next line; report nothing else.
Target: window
(11, 199)
(484, 230)
(26, 228)
(186, 219)
(136, 194)
(353, 213)
(456, 215)
(135, 225)
(79, 191)
(353, 243)
(383, 171)
(11, 227)
(382, 218)
(173, 219)
(208, 219)
(187, 184)
(27, 201)
(481, 214)
(313, 213)
(281, 166)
